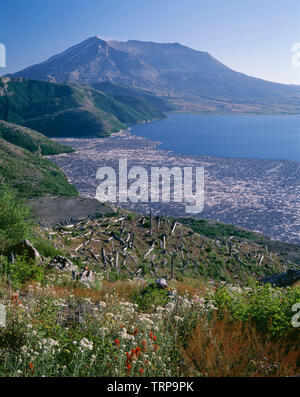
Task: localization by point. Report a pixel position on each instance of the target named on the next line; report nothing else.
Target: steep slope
(30, 174)
(62, 109)
(119, 91)
(31, 140)
(131, 245)
(190, 78)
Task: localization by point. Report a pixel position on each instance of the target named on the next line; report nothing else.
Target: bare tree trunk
(151, 249)
(173, 228)
(117, 262)
(131, 241)
(173, 266)
(104, 258)
(260, 260)
(151, 231)
(230, 248)
(164, 243)
(158, 221)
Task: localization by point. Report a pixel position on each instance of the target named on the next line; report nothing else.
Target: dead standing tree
(173, 256)
(104, 258)
(151, 229)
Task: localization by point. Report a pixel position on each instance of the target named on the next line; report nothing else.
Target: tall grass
(232, 348)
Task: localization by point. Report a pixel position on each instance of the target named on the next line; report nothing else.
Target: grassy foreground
(57, 328)
(207, 323)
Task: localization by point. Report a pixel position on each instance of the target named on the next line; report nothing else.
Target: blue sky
(251, 36)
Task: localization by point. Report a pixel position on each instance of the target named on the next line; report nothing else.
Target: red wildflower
(144, 345)
(128, 367)
(141, 371)
(117, 342)
(31, 367)
(138, 351)
(154, 338)
(155, 347)
(14, 298)
(151, 335)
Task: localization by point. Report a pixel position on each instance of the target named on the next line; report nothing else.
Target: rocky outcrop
(53, 210)
(87, 276)
(62, 263)
(26, 249)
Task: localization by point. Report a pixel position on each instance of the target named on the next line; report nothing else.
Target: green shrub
(150, 296)
(146, 224)
(15, 223)
(13, 335)
(131, 217)
(114, 276)
(21, 271)
(67, 241)
(270, 309)
(46, 248)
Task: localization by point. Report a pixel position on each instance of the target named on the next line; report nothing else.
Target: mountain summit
(91, 61)
(193, 79)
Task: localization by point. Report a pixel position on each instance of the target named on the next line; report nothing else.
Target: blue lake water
(260, 137)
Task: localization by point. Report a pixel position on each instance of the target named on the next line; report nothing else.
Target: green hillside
(126, 108)
(143, 106)
(69, 110)
(30, 174)
(118, 91)
(31, 140)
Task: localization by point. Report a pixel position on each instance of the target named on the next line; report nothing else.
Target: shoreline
(233, 113)
(123, 133)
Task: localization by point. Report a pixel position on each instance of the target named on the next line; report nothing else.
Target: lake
(259, 137)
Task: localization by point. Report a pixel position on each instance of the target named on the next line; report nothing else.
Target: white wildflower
(86, 344)
(177, 318)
